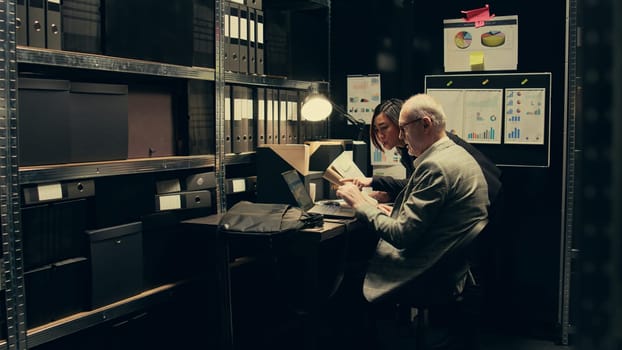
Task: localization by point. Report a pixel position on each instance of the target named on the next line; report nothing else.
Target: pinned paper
(478, 16)
(476, 60)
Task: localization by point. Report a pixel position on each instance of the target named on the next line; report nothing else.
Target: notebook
(328, 209)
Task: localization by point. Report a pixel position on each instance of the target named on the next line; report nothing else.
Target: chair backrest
(445, 279)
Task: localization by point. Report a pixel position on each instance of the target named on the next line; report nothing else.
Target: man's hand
(351, 194)
(359, 182)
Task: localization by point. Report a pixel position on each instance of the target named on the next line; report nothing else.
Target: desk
(308, 246)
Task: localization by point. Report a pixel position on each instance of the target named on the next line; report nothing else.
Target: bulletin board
(506, 116)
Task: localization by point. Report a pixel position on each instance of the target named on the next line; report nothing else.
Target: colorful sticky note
(476, 60)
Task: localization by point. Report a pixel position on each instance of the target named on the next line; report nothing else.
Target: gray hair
(420, 105)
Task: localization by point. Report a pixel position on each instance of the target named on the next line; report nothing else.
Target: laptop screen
(298, 189)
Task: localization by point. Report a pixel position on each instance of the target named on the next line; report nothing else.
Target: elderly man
(445, 197)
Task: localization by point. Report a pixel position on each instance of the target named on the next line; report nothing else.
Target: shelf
(273, 81)
(83, 320)
(58, 172)
(69, 59)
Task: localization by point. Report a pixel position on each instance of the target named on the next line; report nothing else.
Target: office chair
(428, 293)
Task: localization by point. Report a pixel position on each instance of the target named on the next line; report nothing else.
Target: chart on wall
(363, 95)
(506, 115)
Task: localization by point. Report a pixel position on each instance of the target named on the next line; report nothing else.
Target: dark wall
(403, 41)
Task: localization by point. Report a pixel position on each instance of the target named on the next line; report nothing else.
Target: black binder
(239, 123)
(81, 26)
(252, 41)
(21, 23)
(36, 19)
(243, 11)
(261, 116)
(282, 117)
(259, 54)
(232, 46)
(53, 30)
(292, 116)
(254, 4)
(272, 109)
(228, 117)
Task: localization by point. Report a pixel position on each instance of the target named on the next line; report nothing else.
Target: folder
(292, 116)
(269, 116)
(249, 119)
(201, 181)
(183, 200)
(21, 23)
(283, 117)
(252, 41)
(232, 61)
(261, 116)
(259, 54)
(36, 19)
(53, 28)
(254, 4)
(237, 144)
(228, 115)
(243, 12)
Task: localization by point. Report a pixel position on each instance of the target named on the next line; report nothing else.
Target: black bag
(260, 218)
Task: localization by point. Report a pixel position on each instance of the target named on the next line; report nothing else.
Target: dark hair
(391, 108)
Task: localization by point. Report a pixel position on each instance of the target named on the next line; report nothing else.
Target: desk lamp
(318, 107)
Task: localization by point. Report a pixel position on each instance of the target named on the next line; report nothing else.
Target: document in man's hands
(342, 168)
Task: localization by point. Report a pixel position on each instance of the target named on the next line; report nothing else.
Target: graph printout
(473, 114)
(482, 115)
(524, 116)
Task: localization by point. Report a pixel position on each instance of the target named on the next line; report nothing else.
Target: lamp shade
(316, 107)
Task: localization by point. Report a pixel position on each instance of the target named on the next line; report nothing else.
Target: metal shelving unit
(83, 320)
(18, 336)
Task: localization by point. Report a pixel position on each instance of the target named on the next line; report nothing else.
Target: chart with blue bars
(489, 134)
(524, 117)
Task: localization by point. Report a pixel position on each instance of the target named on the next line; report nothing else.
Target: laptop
(300, 193)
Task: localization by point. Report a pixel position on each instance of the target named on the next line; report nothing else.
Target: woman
(384, 134)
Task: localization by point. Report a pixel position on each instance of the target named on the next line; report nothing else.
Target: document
(343, 167)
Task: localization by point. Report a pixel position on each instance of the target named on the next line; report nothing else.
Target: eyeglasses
(408, 123)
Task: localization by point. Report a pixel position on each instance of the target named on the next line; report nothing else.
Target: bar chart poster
(524, 116)
(482, 115)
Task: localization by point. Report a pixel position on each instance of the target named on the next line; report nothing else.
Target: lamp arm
(357, 122)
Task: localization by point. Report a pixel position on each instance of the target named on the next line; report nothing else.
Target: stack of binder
(244, 40)
(38, 23)
(242, 128)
